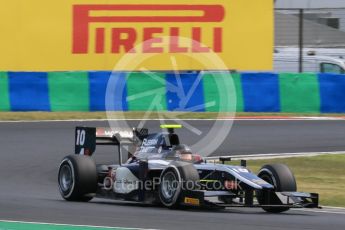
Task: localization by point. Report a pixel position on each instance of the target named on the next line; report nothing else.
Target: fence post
(300, 40)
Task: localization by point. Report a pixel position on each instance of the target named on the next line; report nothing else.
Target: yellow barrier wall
(41, 35)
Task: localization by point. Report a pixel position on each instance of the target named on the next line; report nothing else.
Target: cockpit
(138, 144)
(164, 146)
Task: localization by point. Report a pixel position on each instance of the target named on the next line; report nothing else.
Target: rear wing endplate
(86, 138)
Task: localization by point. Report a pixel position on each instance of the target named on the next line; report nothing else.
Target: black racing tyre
(77, 178)
(174, 179)
(282, 178)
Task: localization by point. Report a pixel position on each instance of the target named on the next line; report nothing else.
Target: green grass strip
(146, 92)
(322, 174)
(299, 93)
(69, 91)
(222, 90)
(7, 225)
(4, 94)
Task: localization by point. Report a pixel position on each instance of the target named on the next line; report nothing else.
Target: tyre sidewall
(68, 193)
(283, 180)
(84, 175)
(282, 177)
(173, 201)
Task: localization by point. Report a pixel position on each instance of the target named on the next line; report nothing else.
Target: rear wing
(87, 138)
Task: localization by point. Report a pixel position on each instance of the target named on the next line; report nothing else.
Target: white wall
(309, 3)
(317, 4)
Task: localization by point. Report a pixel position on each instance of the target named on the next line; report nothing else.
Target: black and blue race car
(158, 169)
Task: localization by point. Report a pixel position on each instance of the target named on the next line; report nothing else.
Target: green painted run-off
(5, 225)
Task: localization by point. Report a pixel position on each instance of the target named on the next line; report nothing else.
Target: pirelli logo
(192, 201)
(126, 18)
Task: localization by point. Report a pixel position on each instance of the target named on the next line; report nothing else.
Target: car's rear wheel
(175, 178)
(77, 178)
(282, 178)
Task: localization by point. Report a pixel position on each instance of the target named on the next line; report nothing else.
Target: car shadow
(229, 210)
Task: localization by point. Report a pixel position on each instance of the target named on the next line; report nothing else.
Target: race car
(158, 169)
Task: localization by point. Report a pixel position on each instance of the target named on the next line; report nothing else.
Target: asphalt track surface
(31, 152)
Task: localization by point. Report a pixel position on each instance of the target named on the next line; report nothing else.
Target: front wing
(216, 199)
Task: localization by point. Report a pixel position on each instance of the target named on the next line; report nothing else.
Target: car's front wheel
(174, 179)
(283, 180)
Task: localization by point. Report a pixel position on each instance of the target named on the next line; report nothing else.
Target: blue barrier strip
(98, 84)
(28, 91)
(185, 92)
(332, 93)
(116, 99)
(260, 92)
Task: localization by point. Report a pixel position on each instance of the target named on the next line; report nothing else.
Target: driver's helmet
(183, 152)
